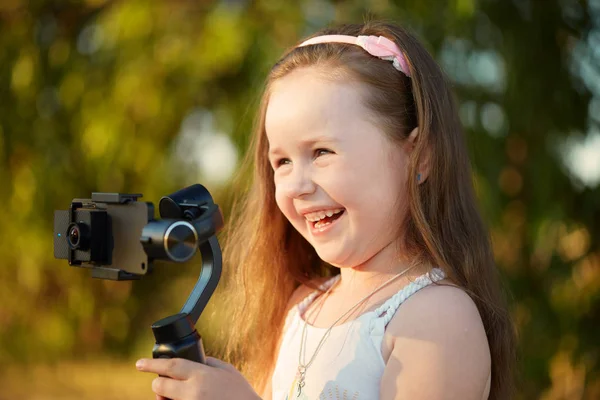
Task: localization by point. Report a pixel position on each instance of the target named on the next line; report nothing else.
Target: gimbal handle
(176, 335)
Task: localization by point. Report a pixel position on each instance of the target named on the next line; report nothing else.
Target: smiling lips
(321, 219)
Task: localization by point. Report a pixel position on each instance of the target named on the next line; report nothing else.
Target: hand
(187, 380)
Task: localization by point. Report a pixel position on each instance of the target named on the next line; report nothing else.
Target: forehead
(307, 102)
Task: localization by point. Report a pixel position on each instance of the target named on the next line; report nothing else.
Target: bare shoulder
(444, 303)
(439, 345)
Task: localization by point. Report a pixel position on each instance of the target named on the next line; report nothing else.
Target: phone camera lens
(74, 236)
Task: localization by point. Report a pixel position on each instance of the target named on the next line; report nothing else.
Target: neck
(375, 271)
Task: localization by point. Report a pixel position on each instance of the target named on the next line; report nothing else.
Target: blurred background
(150, 96)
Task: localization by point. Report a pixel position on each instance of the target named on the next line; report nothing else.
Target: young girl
(366, 268)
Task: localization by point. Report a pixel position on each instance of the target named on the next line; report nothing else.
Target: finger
(216, 363)
(176, 368)
(168, 388)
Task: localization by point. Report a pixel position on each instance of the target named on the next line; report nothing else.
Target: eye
(282, 161)
(322, 152)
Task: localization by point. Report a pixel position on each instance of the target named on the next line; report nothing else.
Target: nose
(298, 183)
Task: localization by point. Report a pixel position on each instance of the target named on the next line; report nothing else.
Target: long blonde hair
(269, 259)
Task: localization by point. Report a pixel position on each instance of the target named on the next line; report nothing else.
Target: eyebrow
(308, 142)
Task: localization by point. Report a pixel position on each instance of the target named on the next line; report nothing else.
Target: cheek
(284, 203)
(280, 199)
(339, 180)
(351, 184)
(377, 189)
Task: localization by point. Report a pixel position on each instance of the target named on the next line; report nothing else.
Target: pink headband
(377, 46)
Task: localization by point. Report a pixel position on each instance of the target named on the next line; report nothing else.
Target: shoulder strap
(388, 309)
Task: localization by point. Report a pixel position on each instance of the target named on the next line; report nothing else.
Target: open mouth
(321, 219)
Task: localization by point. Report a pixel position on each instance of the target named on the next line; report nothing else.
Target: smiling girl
(366, 270)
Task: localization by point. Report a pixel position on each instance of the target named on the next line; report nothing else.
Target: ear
(424, 164)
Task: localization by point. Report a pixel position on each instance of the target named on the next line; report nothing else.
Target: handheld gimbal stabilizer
(118, 238)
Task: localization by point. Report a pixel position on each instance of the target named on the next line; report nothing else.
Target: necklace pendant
(300, 386)
(300, 380)
(295, 391)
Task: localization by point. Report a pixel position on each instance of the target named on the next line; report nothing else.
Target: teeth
(321, 225)
(319, 215)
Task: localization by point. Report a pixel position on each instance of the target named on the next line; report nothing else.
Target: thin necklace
(299, 381)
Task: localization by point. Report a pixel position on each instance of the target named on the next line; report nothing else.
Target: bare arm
(440, 349)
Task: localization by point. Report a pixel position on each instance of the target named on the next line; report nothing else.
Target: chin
(327, 255)
(335, 258)
(344, 259)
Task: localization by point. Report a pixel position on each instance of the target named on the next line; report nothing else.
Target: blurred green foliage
(97, 94)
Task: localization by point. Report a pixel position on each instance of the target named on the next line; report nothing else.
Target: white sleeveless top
(349, 366)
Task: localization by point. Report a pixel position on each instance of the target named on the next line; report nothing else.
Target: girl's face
(338, 179)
